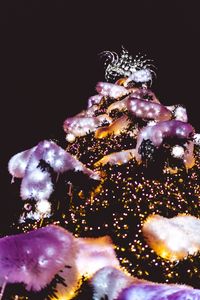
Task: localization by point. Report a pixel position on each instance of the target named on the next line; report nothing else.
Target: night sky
(49, 63)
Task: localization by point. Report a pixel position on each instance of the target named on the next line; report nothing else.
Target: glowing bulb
(181, 114)
(70, 137)
(177, 151)
(43, 207)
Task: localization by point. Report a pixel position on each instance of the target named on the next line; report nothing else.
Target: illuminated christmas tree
(129, 170)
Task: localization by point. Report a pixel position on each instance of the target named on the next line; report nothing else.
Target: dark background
(49, 64)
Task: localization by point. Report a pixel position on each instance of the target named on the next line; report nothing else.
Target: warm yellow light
(115, 128)
(70, 294)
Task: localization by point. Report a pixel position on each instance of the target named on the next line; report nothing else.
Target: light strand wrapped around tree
(130, 171)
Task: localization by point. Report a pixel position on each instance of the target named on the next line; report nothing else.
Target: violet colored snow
(148, 291)
(148, 110)
(111, 90)
(84, 124)
(17, 164)
(34, 258)
(37, 183)
(171, 128)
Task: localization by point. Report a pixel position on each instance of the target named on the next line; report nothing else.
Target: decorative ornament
(43, 207)
(168, 129)
(138, 69)
(178, 151)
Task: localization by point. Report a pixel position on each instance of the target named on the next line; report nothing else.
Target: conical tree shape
(136, 158)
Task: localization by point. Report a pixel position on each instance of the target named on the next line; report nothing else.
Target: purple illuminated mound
(37, 182)
(34, 258)
(113, 284)
(147, 291)
(50, 263)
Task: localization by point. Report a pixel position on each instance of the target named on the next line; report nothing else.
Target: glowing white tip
(197, 138)
(70, 137)
(177, 151)
(43, 207)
